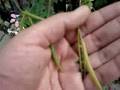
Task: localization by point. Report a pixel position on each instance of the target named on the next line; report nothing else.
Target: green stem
(30, 20)
(32, 15)
(87, 64)
(55, 58)
(21, 22)
(80, 55)
(49, 5)
(84, 54)
(53, 51)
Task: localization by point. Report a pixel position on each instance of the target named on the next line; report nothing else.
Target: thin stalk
(80, 56)
(55, 58)
(87, 64)
(32, 15)
(49, 5)
(22, 19)
(53, 51)
(30, 20)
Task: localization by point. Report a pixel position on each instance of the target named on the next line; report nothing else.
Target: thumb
(54, 28)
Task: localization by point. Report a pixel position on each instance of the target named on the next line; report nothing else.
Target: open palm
(26, 64)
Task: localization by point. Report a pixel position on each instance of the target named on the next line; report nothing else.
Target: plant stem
(49, 5)
(80, 56)
(53, 51)
(82, 49)
(55, 58)
(21, 22)
(86, 62)
(30, 20)
(32, 15)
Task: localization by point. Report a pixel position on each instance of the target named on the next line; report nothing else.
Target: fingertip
(85, 9)
(80, 15)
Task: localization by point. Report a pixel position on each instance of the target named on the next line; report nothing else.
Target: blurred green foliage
(41, 8)
(97, 4)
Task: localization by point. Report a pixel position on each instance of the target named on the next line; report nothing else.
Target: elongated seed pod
(89, 68)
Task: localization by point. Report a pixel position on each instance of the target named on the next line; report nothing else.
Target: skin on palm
(25, 62)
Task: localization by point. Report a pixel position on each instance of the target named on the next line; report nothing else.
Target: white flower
(12, 21)
(13, 16)
(17, 24)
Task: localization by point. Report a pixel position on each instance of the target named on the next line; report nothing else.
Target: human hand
(26, 64)
(102, 36)
(27, 69)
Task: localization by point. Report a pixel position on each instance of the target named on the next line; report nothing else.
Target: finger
(70, 77)
(50, 79)
(71, 81)
(107, 73)
(89, 85)
(67, 56)
(45, 83)
(103, 36)
(96, 20)
(101, 17)
(106, 63)
(71, 37)
(110, 71)
(106, 54)
(54, 28)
